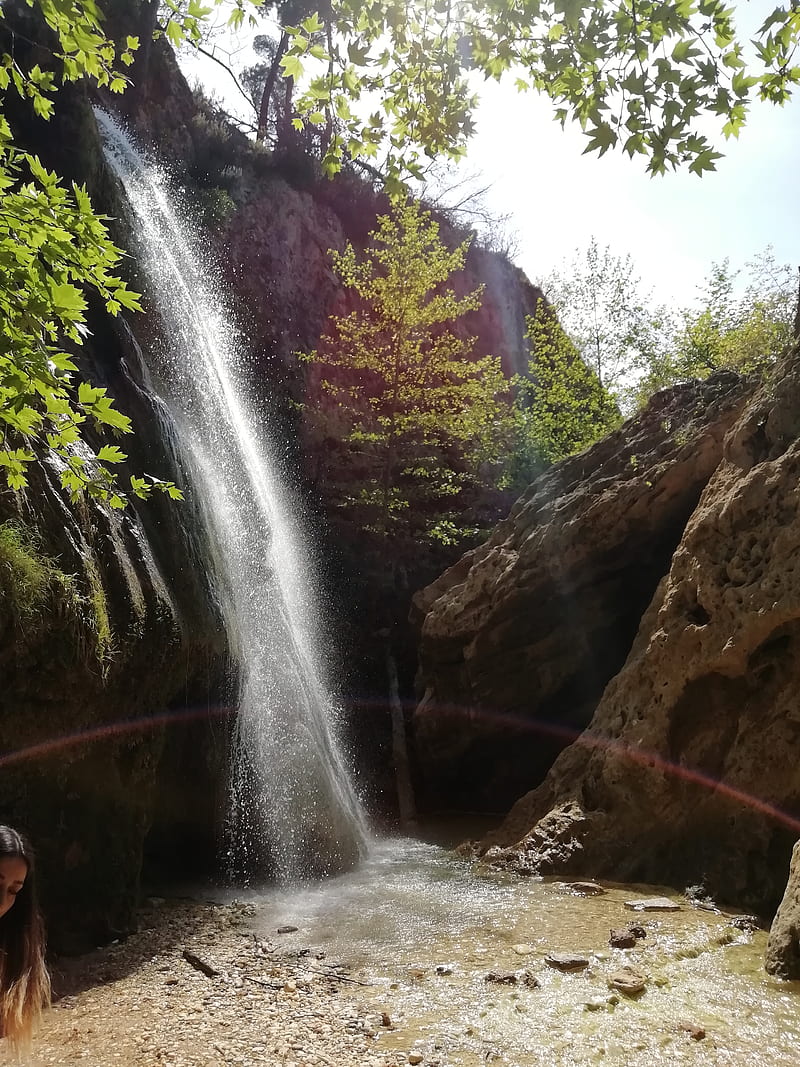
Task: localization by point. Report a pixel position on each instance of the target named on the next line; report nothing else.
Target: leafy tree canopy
(601, 305)
(742, 327)
(54, 249)
(640, 74)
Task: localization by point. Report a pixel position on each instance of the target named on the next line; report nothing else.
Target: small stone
(444, 969)
(586, 889)
(386, 1021)
(501, 978)
(595, 1005)
(530, 980)
(415, 1057)
(696, 1033)
(286, 930)
(622, 939)
(566, 961)
(628, 981)
(627, 936)
(290, 986)
(522, 950)
(652, 904)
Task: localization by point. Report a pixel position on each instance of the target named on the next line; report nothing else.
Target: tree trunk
(269, 87)
(147, 25)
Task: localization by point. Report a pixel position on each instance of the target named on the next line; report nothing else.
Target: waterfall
(292, 808)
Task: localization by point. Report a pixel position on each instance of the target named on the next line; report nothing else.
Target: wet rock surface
(628, 980)
(783, 946)
(653, 904)
(566, 961)
(627, 936)
(521, 636)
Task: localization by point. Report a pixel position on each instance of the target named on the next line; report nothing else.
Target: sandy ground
(142, 1003)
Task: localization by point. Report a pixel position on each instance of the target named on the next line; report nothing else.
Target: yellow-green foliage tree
(410, 418)
(561, 407)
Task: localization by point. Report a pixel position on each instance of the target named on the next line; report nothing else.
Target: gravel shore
(198, 987)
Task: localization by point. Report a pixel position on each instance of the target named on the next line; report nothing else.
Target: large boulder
(690, 769)
(521, 636)
(783, 946)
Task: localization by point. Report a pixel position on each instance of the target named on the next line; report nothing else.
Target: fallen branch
(339, 977)
(200, 965)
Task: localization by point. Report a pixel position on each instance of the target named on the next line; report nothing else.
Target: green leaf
(292, 66)
(111, 454)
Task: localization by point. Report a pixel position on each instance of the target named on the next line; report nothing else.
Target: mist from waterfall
(293, 810)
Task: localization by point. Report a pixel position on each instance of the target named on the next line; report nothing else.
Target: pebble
(522, 950)
(627, 936)
(697, 1033)
(415, 1058)
(628, 981)
(566, 961)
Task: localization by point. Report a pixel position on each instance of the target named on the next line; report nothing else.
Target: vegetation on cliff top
(741, 320)
(410, 426)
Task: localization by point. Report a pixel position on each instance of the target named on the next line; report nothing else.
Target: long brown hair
(24, 981)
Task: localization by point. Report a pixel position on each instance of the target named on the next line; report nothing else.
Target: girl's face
(13, 872)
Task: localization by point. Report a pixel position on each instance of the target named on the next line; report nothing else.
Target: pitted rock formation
(690, 769)
(783, 947)
(521, 636)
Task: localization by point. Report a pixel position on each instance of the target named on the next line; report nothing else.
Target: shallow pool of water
(423, 928)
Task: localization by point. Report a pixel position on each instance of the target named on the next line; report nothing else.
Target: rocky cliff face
(106, 630)
(689, 770)
(521, 636)
(783, 947)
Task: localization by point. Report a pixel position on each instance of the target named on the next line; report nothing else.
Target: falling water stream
(293, 807)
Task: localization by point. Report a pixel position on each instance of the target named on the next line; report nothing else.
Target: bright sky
(674, 227)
